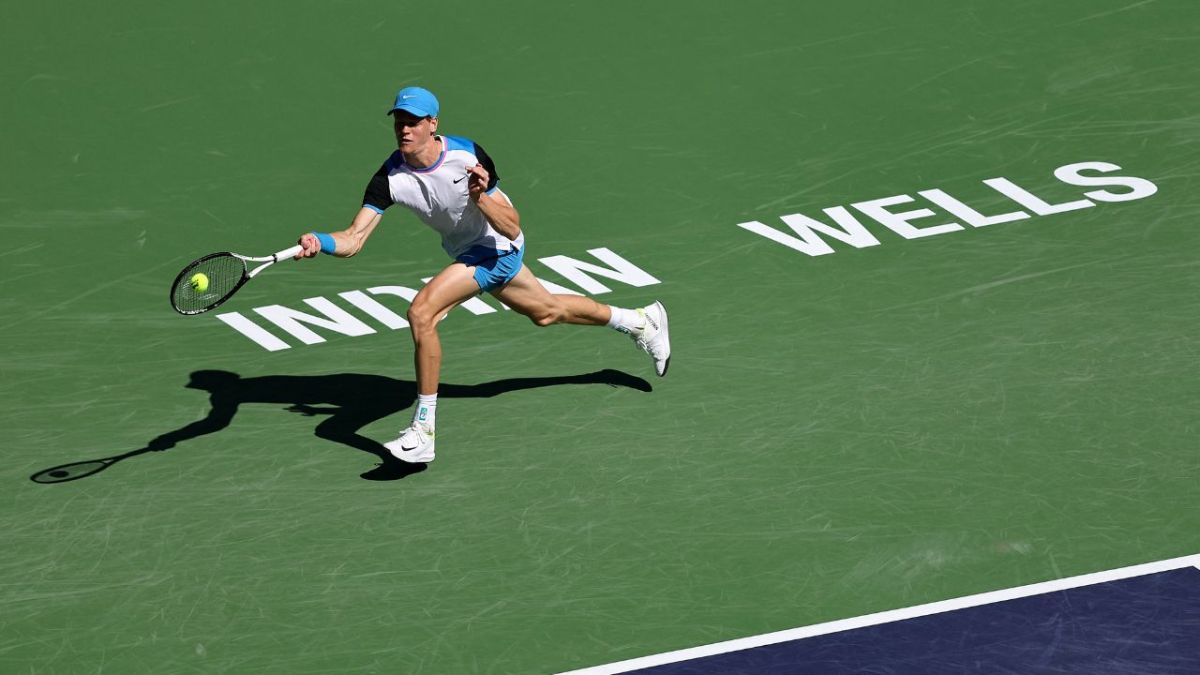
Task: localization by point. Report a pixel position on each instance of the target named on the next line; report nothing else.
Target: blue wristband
(328, 245)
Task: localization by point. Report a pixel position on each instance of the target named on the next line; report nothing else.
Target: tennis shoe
(653, 338)
(415, 445)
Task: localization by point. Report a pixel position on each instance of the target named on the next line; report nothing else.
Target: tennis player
(451, 184)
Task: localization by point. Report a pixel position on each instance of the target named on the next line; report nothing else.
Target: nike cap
(415, 100)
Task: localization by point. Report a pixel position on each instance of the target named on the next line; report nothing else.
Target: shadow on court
(350, 400)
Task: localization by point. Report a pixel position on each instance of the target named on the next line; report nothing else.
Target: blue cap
(415, 100)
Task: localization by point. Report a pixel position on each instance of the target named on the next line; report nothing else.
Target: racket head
(226, 273)
(69, 472)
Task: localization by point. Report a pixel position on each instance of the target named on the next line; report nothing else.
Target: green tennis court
(892, 382)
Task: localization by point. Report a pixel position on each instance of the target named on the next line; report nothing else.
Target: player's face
(413, 134)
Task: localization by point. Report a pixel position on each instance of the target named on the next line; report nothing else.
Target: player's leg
(443, 293)
(646, 325)
(528, 297)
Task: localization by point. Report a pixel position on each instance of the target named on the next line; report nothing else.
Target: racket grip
(288, 253)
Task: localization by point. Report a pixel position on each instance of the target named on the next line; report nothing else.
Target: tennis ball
(199, 282)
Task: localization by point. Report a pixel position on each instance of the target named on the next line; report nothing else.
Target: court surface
(931, 272)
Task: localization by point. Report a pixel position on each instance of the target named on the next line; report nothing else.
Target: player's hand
(477, 181)
(312, 246)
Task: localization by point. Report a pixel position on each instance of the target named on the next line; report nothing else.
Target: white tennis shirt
(438, 196)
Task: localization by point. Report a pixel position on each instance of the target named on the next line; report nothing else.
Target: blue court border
(1170, 577)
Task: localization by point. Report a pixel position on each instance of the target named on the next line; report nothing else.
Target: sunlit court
(754, 337)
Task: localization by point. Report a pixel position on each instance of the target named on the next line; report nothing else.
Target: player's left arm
(482, 186)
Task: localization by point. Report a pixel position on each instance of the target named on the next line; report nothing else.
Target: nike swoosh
(405, 448)
(460, 179)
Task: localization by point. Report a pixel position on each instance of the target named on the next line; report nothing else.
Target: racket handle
(288, 253)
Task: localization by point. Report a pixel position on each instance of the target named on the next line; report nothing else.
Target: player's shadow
(350, 400)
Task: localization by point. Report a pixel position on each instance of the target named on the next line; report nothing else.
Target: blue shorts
(493, 268)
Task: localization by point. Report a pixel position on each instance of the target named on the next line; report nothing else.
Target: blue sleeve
(481, 156)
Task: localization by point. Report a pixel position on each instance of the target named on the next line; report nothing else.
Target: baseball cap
(416, 100)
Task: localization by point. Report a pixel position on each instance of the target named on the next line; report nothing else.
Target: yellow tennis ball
(199, 282)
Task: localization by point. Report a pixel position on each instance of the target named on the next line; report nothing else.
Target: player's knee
(421, 318)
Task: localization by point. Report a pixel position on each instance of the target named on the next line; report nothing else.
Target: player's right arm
(347, 242)
(376, 198)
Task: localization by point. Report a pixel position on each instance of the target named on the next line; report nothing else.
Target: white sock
(426, 412)
(626, 320)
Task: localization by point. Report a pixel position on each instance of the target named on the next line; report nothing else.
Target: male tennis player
(451, 184)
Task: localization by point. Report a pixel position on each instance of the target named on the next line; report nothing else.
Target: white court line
(891, 615)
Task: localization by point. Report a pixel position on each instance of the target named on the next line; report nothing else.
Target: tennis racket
(209, 281)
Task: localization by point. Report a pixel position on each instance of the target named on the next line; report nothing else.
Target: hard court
(931, 271)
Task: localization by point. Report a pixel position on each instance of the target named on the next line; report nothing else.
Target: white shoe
(654, 338)
(415, 445)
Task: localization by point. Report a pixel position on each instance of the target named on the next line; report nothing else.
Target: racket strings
(223, 273)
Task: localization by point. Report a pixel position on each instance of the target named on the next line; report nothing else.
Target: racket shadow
(64, 473)
(348, 401)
